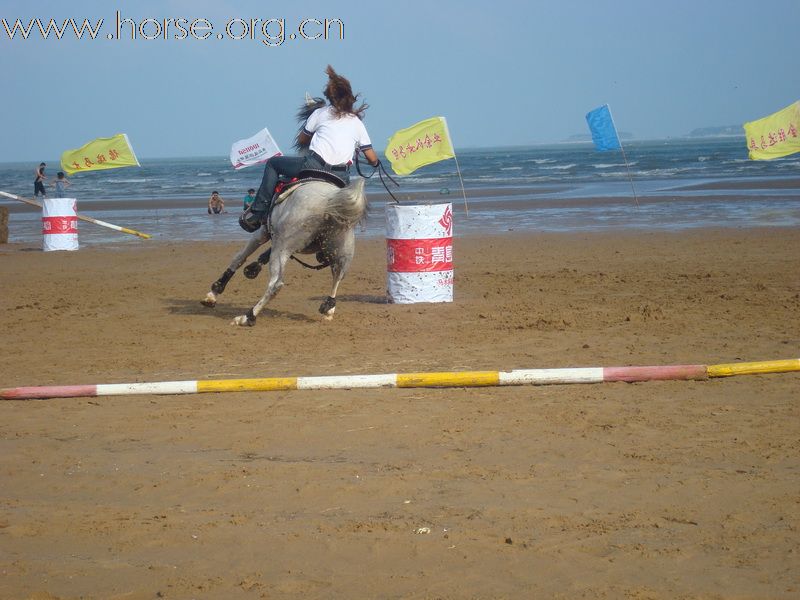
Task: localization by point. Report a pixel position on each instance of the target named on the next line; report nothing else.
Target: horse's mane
(305, 110)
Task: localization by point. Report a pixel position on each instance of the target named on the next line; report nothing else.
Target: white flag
(254, 150)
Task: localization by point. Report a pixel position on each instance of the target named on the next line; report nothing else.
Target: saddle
(305, 176)
(283, 191)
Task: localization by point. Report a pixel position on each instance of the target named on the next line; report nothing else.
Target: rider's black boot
(254, 215)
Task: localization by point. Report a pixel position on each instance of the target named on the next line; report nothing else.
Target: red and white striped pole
(411, 380)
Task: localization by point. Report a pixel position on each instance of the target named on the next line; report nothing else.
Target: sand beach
(648, 490)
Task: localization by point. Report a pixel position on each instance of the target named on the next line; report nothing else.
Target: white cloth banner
(254, 150)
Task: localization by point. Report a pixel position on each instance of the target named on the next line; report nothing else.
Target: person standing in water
(38, 183)
(62, 183)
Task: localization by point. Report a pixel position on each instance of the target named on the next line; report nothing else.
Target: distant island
(700, 132)
(724, 131)
(587, 137)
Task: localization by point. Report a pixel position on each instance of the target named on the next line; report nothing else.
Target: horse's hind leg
(341, 259)
(277, 264)
(256, 240)
(328, 306)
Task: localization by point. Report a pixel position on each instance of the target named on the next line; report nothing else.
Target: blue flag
(604, 134)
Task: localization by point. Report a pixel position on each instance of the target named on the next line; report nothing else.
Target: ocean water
(678, 184)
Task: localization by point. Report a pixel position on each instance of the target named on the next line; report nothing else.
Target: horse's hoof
(244, 321)
(210, 301)
(252, 270)
(327, 307)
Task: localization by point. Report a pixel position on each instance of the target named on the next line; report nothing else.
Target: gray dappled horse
(316, 218)
(261, 236)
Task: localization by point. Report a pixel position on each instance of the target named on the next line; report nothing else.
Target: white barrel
(419, 253)
(59, 224)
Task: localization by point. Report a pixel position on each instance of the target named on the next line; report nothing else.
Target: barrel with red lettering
(419, 253)
(59, 224)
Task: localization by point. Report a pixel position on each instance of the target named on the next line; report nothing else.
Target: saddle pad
(324, 175)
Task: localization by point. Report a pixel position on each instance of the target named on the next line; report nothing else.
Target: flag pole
(458, 168)
(624, 157)
(145, 236)
(463, 192)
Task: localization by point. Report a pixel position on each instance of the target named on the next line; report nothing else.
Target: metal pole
(145, 236)
(624, 157)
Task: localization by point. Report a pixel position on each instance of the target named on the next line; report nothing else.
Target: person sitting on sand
(216, 205)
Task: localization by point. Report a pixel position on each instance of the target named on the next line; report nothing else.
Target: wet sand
(498, 198)
(788, 183)
(651, 490)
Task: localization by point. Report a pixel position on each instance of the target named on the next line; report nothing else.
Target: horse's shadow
(183, 306)
(362, 298)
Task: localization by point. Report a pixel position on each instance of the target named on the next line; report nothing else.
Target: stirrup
(251, 220)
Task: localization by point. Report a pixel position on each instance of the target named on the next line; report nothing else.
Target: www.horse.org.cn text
(271, 32)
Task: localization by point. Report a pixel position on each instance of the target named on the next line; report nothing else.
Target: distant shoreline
(495, 196)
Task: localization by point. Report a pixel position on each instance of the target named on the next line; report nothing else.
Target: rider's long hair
(340, 94)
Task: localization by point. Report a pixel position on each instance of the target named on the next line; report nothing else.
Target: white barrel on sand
(419, 253)
(59, 224)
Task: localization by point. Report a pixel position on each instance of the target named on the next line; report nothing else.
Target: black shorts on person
(216, 210)
(38, 188)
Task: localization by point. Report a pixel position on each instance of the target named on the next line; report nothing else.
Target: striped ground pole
(410, 380)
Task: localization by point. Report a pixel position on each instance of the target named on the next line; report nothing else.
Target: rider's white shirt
(336, 139)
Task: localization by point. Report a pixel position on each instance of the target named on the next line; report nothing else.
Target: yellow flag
(102, 153)
(421, 144)
(776, 135)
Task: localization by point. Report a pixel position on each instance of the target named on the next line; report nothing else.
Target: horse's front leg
(277, 264)
(256, 240)
(252, 270)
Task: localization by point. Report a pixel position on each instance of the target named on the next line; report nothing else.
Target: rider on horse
(333, 134)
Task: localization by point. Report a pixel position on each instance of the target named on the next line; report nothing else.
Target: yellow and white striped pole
(410, 380)
(145, 236)
(754, 368)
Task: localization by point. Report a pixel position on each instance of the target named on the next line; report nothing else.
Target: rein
(381, 170)
(321, 264)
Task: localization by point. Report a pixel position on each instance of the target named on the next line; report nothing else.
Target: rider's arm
(371, 157)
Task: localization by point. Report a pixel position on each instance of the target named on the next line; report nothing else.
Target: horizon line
(382, 151)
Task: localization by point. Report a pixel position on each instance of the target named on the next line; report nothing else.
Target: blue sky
(505, 72)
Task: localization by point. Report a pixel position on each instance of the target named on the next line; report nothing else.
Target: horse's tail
(349, 204)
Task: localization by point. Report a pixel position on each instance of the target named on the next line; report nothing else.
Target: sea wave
(562, 167)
